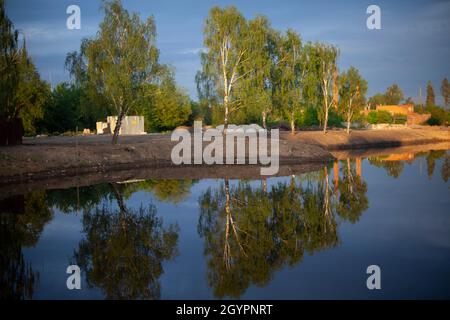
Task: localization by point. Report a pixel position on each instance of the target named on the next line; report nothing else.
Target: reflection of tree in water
(81, 198)
(352, 200)
(22, 219)
(123, 250)
(87, 197)
(431, 158)
(445, 171)
(393, 168)
(171, 190)
(250, 233)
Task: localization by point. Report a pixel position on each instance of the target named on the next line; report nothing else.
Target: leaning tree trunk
(118, 125)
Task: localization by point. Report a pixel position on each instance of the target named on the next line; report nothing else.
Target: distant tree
(439, 116)
(445, 91)
(377, 99)
(430, 95)
(62, 111)
(164, 106)
(122, 58)
(393, 95)
(93, 104)
(352, 90)
(409, 100)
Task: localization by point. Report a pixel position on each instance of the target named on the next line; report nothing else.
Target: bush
(399, 119)
(308, 118)
(384, 117)
(372, 117)
(439, 116)
(334, 119)
(375, 117)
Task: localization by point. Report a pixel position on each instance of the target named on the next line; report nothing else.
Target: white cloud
(194, 51)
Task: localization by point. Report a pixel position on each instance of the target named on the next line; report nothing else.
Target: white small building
(130, 125)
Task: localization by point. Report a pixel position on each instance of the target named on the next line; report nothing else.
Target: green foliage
(325, 66)
(22, 92)
(289, 76)
(164, 106)
(335, 119)
(352, 90)
(399, 118)
(201, 112)
(353, 199)
(439, 116)
(250, 232)
(123, 251)
(62, 111)
(393, 94)
(381, 116)
(251, 72)
(122, 59)
(430, 95)
(20, 229)
(308, 118)
(445, 91)
(372, 117)
(377, 99)
(393, 168)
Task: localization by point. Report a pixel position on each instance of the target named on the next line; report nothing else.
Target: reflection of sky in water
(405, 230)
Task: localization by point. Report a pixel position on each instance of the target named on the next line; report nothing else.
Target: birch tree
(327, 55)
(225, 32)
(352, 90)
(122, 58)
(291, 72)
(257, 88)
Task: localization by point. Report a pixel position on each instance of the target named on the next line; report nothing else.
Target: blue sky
(412, 47)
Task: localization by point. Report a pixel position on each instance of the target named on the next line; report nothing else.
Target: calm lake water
(305, 236)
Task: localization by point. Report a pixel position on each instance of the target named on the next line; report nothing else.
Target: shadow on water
(250, 229)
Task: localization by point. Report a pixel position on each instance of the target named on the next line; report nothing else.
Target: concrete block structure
(130, 125)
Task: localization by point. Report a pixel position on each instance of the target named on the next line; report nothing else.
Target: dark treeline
(251, 73)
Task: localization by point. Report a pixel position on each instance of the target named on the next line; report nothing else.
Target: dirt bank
(51, 157)
(43, 158)
(360, 139)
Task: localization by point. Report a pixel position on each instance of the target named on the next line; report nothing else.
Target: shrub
(384, 117)
(375, 117)
(439, 116)
(372, 117)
